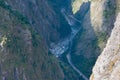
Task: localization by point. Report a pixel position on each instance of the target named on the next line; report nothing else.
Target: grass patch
(101, 39)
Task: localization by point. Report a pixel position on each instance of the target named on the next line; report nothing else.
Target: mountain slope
(51, 25)
(23, 53)
(75, 31)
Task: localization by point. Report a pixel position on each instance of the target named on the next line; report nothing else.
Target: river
(66, 44)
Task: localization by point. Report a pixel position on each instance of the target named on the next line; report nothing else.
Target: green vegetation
(85, 65)
(109, 10)
(68, 71)
(29, 56)
(20, 17)
(101, 39)
(36, 39)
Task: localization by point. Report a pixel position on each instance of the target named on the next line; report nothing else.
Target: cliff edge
(107, 66)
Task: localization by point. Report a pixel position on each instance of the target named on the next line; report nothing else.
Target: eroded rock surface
(107, 66)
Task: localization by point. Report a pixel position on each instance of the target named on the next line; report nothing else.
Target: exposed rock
(107, 66)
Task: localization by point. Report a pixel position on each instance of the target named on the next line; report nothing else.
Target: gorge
(59, 39)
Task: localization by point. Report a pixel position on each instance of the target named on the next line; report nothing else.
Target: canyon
(59, 40)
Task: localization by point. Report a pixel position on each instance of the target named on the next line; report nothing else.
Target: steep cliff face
(107, 66)
(97, 25)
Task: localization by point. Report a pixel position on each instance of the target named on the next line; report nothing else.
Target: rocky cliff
(97, 26)
(107, 66)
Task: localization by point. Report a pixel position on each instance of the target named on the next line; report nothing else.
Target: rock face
(97, 26)
(107, 66)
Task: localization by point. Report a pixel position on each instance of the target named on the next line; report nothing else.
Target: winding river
(77, 70)
(66, 44)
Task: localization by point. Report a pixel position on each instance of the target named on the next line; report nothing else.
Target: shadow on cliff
(85, 49)
(109, 16)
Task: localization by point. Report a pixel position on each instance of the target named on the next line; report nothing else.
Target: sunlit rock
(107, 66)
